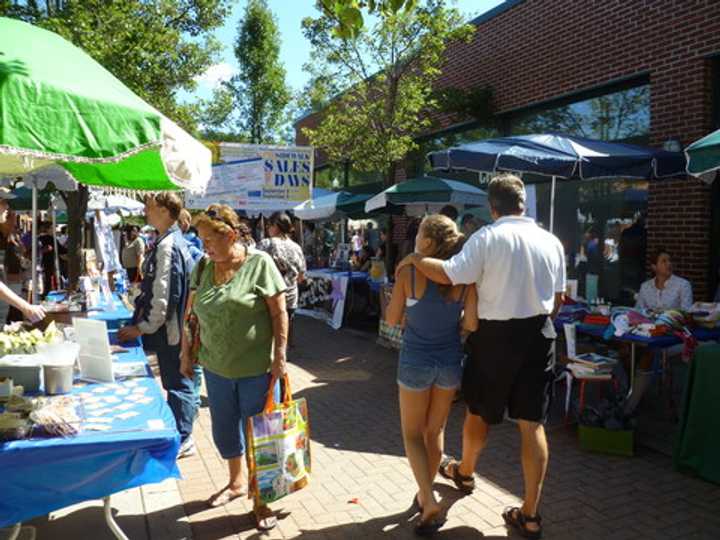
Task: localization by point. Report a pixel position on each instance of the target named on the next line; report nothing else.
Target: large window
(622, 115)
(333, 176)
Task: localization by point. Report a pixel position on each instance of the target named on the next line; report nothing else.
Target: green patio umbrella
(703, 156)
(58, 105)
(426, 191)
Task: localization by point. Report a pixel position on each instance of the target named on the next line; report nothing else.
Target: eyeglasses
(215, 216)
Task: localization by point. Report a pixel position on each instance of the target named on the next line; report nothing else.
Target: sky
(295, 50)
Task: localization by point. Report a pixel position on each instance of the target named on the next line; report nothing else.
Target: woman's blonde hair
(220, 218)
(446, 238)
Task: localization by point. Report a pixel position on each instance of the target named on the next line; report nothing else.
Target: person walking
(430, 367)
(190, 235)
(239, 301)
(133, 252)
(160, 307)
(518, 270)
(288, 257)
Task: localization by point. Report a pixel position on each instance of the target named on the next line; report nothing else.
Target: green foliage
(387, 73)
(347, 15)
(260, 95)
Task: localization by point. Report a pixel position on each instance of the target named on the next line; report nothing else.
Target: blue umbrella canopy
(562, 156)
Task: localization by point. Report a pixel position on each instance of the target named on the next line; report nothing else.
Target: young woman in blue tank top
(430, 366)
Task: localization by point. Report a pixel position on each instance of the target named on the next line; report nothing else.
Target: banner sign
(258, 179)
(322, 296)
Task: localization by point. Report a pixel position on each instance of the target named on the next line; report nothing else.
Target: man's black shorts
(510, 366)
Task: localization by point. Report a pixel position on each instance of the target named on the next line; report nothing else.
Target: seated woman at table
(665, 290)
(239, 301)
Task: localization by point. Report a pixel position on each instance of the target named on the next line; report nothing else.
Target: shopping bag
(278, 447)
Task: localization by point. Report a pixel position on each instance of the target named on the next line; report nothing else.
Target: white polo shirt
(516, 266)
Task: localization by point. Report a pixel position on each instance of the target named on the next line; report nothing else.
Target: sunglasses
(215, 216)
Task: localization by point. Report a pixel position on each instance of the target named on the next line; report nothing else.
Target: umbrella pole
(33, 272)
(552, 204)
(58, 283)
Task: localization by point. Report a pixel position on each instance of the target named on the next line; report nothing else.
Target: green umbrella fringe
(51, 156)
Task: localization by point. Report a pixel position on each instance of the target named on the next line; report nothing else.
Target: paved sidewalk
(362, 486)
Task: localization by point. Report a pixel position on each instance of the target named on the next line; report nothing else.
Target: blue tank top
(432, 323)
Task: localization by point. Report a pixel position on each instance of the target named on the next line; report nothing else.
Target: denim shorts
(232, 402)
(422, 370)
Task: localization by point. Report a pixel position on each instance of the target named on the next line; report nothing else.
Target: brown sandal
(265, 520)
(450, 469)
(225, 496)
(515, 518)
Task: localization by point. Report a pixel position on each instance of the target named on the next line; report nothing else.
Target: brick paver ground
(362, 486)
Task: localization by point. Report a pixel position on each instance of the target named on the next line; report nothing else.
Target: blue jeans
(232, 402)
(180, 390)
(197, 383)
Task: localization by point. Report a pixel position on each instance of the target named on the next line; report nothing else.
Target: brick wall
(539, 50)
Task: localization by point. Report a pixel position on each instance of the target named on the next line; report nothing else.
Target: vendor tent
(703, 156)
(61, 106)
(332, 206)
(425, 191)
(560, 156)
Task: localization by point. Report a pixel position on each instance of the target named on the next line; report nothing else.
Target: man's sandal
(514, 518)
(450, 469)
(265, 520)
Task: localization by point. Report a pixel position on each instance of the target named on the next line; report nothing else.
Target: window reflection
(618, 116)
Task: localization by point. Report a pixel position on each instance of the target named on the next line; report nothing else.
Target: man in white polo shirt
(519, 271)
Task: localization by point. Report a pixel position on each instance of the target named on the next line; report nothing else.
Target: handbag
(278, 447)
(191, 324)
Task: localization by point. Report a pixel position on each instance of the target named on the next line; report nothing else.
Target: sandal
(225, 496)
(429, 527)
(514, 518)
(265, 520)
(416, 503)
(450, 469)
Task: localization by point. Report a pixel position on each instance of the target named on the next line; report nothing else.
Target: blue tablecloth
(354, 276)
(657, 342)
(39, 476)
(114, 316)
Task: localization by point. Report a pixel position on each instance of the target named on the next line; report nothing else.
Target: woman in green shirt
(238, 296)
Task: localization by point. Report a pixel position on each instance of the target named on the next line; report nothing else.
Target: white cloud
(216, 74)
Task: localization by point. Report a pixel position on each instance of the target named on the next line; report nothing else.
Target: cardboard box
(607, 441)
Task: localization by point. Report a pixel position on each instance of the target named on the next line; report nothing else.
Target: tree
(347, 15)
(388, 73)
(257, 95)
(155, 47)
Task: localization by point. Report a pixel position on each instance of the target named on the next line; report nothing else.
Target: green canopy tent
(703, 156)
(426, 192)
(58, 105)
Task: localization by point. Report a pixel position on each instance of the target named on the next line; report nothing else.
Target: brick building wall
(535, 51)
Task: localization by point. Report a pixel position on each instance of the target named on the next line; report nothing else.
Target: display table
(324, 292)
(46, 474)
(656, 343)
(697, 448)
(115, 315)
